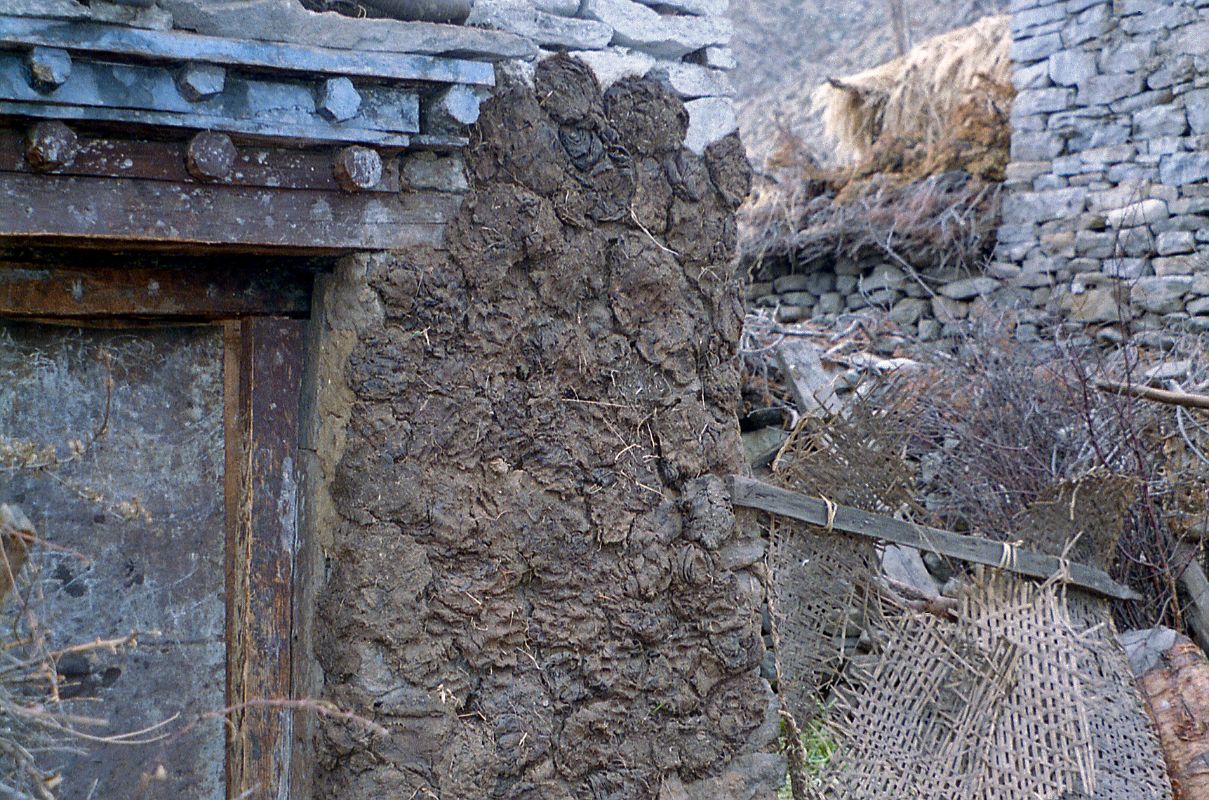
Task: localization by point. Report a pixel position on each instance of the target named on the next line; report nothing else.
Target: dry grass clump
(936, 224)
(916, 97)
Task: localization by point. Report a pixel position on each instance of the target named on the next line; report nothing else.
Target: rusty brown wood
(78, 210)
(264, 371)
(30, 290)
(264, 167)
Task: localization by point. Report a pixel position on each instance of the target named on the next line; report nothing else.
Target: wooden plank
(750, 493)
(35, 291)
(263, 542)
(1193, 581)
(42, 208)
(177, 46)
(313, 132)
(812, 390)
(274, 168)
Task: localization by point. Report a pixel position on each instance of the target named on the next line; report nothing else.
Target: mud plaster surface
(537, 584)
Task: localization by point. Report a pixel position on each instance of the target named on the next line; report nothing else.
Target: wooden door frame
(263, 312)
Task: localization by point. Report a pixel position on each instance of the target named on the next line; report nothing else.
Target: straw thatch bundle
(916, 96)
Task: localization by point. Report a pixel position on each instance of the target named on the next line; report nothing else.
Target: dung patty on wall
(538, 586)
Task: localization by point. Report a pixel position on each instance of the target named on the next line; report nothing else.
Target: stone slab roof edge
(286, 21)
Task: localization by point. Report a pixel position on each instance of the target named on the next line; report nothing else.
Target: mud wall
(534, 580)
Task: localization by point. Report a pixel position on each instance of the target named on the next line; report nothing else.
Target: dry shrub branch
(1004, 425)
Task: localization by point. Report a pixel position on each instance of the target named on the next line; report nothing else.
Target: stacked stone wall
(1108, 189)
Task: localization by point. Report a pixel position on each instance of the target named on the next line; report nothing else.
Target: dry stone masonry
(1104, 214)
(1108, 202)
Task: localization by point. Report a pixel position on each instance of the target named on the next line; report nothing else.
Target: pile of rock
(928, 306)
(683, 43)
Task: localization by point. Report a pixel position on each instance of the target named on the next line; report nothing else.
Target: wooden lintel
(749, 493)
(269, 168)
(79, 211)
(37, 291)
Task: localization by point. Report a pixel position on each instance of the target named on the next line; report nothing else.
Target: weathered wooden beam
(36, 291)
(263, 380)
(181, 46)
(77, 211)
(302, 134)
(750, 493)
(266, 167)
(1165, 396)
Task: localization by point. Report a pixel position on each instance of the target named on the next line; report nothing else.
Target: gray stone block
(1166, 120)
(615, 63)
(1198, 307)
(1188, 41)
(908, 311)
(1091, 244)
(947, 310)
(1103, 89)
(803, 299)
(791, 283)
(709, 120)
(884, 276)
(540, 27)
(831, 303)
(969, 288)
(1036, 148)
(1094, 306)
(433, 172)
(1127, 56)
(288, 21)
(1177, 265)
(338, 99)
(1032, 207)
(1124, 268)
(1197, 106)
(690, 81)
(1161, 295)
(715, 58)
(1180, 169)
(1143, 212)
(1035, 48)
(1032, 76)
(1174, 243)
(1070, 67)
(1041, 101)
(665, 36)
(704, 8)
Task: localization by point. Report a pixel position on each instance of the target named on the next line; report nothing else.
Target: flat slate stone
(690, 81)
(665, 36)
(52, 9)
(287, 21)
(615, 63)
(702, 8)
(545, 29)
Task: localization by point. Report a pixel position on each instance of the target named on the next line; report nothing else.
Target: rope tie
(1008, 558)
(831, 509)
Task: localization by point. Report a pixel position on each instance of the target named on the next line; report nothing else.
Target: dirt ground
(538, 586)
